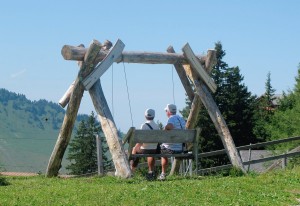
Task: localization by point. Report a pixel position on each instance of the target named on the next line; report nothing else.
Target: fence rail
(249, 147)
(245, 163)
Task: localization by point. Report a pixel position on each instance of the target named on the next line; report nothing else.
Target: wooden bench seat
(189, 136)
(178, 155)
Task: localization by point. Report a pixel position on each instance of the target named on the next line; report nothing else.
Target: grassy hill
(276, 188)
(28, 131)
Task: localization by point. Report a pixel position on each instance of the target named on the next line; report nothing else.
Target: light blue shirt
(178, 123)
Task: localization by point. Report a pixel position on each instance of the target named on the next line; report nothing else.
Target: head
(171, 109)
(149, 114)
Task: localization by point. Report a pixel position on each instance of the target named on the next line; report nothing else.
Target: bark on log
(220, 124)
(77, 53)
(110, 131)
(66, 130)
(217, 119)
(66, 98)
(182, 75)
(196, 102)
(211, 60)
(197, 67)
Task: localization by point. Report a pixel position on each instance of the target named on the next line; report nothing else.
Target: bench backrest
(161, 136)
(134, 136)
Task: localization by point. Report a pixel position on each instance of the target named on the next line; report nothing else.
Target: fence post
(249, 158)
(284, 162)
(99, 156)
(191, 167)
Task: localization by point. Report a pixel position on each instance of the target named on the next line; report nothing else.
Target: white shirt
(146, 127)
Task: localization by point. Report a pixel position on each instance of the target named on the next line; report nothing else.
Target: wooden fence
(249, 147)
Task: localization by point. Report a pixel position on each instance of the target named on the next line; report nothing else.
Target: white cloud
(14, 75)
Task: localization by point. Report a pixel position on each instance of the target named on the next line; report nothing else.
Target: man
(146, 148)
(174, 122)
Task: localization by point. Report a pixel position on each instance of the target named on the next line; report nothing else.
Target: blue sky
(258, 36)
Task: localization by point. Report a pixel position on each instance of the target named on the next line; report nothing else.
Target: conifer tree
(83, 149)
(264, 111)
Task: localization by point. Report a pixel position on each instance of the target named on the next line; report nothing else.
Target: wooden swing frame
(96, 59)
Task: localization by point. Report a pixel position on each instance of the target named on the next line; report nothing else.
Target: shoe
(162, 177)
(150, 176)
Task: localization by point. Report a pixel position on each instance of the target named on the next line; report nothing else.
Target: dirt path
(20, 174)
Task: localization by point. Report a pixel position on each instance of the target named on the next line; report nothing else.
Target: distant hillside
(28, 131)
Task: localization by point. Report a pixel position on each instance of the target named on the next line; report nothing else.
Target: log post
(217, 118)
(183, 77)
(99, 155)
(210, 61)
(66, 98)
(110, 131)
(66, 130)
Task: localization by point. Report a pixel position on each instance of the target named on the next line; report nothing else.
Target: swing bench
(188, 136)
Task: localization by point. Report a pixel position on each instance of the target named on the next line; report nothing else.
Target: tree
(285, 122)
(270, 92)
(264, 111)
(83, 149)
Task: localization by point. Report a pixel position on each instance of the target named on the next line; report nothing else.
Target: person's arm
(169, 126)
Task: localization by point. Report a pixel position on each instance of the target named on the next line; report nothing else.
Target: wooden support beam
(196, 104)
(211, 60)
(196, 65)
(66, 98)
(77, 53)
(217, 119)
(102, 67)
(128, 135)
(110, 131)
(68, 123)
(182, 75)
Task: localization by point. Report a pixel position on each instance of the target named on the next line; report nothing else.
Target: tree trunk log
(66, 130)
(211, 60)
(220, 124)
(66, 98)
(110, 131)
(196, 101)
(182, 75)
(77, 53)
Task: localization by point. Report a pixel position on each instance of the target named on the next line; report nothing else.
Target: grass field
(276, 188)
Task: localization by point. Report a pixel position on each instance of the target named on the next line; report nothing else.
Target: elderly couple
(174, 122)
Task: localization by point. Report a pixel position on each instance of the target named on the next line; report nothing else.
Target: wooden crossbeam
(99, 70)
(142, 57)
(195, 64)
